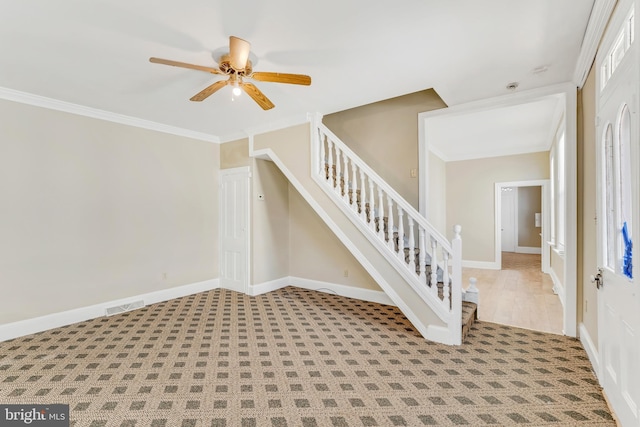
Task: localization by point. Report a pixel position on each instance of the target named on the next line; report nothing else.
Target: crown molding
(600, 14)
(68, 107)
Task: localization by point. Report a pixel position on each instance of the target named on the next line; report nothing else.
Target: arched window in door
(624, 178)
(610, 209)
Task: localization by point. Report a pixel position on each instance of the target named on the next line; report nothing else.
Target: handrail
(387, 188)
(430, 263)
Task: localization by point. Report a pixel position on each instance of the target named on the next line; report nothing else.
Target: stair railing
(421, 253)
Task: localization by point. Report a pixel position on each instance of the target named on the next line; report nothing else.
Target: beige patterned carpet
(297, 358)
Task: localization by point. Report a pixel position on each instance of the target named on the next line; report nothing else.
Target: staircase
(411, 261)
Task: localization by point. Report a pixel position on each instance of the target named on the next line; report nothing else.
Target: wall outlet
(346, 272)
(164, 276)
(413, 173)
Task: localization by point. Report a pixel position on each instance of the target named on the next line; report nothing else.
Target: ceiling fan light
(237, 91)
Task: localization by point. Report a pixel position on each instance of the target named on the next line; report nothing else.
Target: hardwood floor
(518, 295)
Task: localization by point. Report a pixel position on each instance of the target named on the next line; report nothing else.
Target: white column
(400, 234)
(354, 187)
(390, 241)
(412, 245)
(345, 180)
(434, 266)
(329, 162)
(363, 197)
(322, 160)
(338, 171)
(423, 254)
(372, 222)
(380, 214)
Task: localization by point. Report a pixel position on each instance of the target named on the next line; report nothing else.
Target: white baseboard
(528, 250)
(485, 265)
(343, 290)
(440, 334)
(591, 349)
(38, 324)
(320, 286)
(558, 287)
(271, 285)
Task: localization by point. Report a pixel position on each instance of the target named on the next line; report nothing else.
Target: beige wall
(385, 135)
(470, 197)
(529, 203)
(587, 261)
(269, 223)
(234, 154)
(94, 211)
(316, 252)
(437, 202)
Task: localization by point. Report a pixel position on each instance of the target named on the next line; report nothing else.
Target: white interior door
(234, 229)
(617, 179)
(508, 219)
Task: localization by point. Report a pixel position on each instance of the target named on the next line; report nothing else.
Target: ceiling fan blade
(294, 79)
(239, 52)
(185, 65)
(209, 90)
(257, 96)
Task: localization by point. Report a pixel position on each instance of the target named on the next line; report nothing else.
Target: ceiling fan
(238, 67)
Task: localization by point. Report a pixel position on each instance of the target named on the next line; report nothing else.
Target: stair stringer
(286, 149)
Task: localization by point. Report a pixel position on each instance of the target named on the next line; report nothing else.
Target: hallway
(518, 295)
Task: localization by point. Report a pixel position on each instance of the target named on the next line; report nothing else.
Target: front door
(234, 233)
(618, 161)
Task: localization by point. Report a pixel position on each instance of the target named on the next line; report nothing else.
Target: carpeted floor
(297, 358)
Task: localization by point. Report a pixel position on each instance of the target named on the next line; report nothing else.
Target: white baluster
(434, 267)
(330, 162)
(446, 291)
(363, 197)
(380, 214)
(322, 159)
(372, 222)
(423, 254)
(345, 174)
(337, 185)
(400, 234)
(354, 186)
(390, 243)
(412, 245)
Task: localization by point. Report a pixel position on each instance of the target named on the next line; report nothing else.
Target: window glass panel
(610, 231)
(624, 184)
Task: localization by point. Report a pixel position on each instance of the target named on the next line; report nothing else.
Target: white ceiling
(516, 129)
(95, 53)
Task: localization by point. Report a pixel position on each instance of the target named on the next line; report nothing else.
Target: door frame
(544, 230)
(567, 95)
(246, 172)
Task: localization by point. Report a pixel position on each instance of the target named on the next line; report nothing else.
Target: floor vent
(124, 308)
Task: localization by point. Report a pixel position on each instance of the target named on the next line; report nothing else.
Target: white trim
(440, 334)
(485, 265)
(80, 110)
(558, 287)
(270, 286)
(600, 14)
(55, 320)
(591, 349)
(528, 250)
(343, 290)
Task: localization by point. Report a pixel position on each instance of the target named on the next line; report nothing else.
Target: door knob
(597, 279)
